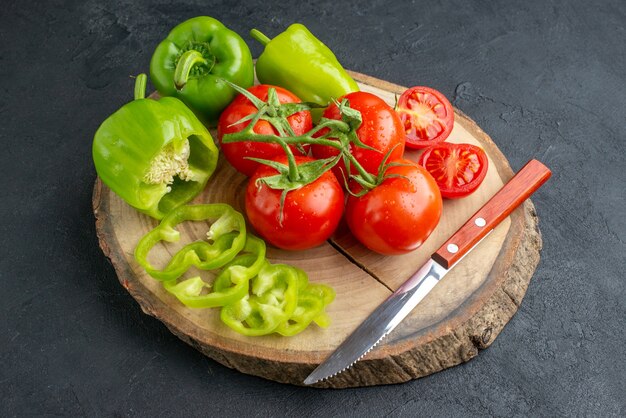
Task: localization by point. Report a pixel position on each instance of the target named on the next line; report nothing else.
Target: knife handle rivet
(480, 222)
(452, 248)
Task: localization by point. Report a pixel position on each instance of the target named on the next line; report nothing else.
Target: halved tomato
(427, 116)
(458, 169)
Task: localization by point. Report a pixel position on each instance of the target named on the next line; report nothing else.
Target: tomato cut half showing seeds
(458, 169)
(427, 116)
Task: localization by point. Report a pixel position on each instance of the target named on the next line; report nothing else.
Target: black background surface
(544, 79)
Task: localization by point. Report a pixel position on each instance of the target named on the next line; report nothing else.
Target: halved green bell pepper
(156, 155)
(195, 53)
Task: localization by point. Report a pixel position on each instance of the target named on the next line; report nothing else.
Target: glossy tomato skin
(310, 214)
(427, 116)
(381, 129)
(458, 169)
(241, 107)
(397, 216)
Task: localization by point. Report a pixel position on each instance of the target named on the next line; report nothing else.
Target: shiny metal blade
(380, 322)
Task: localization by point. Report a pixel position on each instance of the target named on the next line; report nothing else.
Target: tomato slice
(427, 116)
(458, 169)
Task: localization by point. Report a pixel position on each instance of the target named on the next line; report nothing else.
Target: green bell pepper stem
(259, 36)
(272, 301)
(230, 285)
(228, 233)
(140, 86)
(184, 66)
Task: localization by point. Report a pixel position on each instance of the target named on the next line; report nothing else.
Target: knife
(401, 302)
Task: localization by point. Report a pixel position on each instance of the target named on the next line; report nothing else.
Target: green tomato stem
(184, 66)
(294, 175)
(140, 86)
(259, 36)
(366, 176)
(254, 137)
(249, 135)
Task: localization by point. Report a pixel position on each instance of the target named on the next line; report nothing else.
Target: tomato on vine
(397, 215)
(296, 202)
(243, 108)
(299, 218)
(380, 132)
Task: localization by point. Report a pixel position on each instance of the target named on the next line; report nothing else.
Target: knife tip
(310, 380)
(317, 376)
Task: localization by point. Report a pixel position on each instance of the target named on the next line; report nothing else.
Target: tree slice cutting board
(463, 314)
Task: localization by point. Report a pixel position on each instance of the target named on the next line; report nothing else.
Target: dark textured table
(544, 79)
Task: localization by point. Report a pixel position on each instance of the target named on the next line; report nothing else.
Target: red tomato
(310, 214)
(458, 169)
(381, 129)
(427, 116)
(237, 152)
(397, 216)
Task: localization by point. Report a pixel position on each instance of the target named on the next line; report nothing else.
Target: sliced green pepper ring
(230, 285)
(312, 301)
(228, 233)
(273, 300)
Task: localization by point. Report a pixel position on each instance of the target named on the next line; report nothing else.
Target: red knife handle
(518, 189)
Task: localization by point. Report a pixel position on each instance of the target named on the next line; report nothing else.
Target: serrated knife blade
(396, 307)
(380, 322)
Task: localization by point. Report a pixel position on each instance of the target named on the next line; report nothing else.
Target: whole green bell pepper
(156, 155)
(301, 63)
(187, 62)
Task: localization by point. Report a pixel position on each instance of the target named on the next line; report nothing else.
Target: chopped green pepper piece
(257, 298)
(188, 62)
(228, 233)
(273, 300)
(156, 155)
(229, 286)
(312, 301)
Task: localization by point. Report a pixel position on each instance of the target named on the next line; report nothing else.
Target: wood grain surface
(463, 314)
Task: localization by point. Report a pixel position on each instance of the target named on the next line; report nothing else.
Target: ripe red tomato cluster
(395, 217)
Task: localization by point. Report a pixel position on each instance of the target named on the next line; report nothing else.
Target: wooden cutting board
(462, 315)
